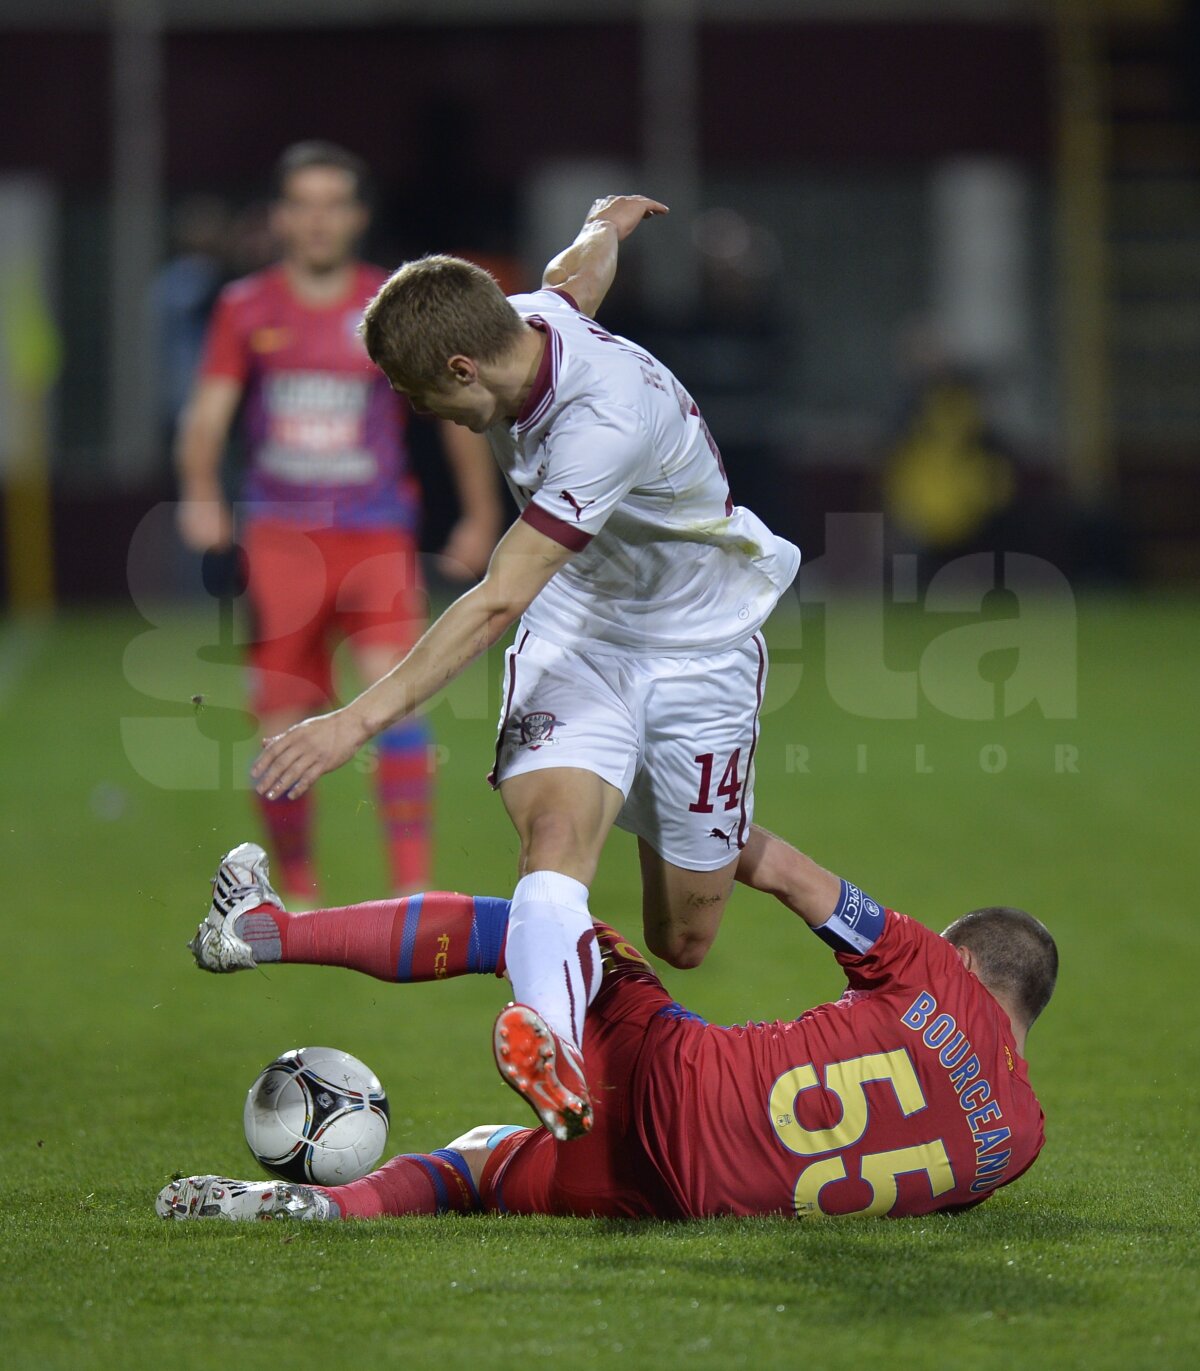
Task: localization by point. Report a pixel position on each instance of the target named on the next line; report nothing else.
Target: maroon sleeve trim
(567, 296)
(573, 539)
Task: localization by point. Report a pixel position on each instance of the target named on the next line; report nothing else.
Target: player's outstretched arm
(774, 866)
(586, 269)
(523, 563)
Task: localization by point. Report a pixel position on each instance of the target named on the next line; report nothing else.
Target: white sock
(551, 953)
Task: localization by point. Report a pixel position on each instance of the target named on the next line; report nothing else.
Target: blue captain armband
(856, 923)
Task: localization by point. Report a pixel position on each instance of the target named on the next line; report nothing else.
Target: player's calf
(425, 937)
(679, 948)
(682, 909)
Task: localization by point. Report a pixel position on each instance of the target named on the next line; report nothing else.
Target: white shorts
(675, 735)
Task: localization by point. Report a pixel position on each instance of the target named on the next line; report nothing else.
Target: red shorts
(311, 588)
(607, 1173)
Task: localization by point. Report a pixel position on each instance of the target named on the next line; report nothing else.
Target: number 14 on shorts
(729, 787)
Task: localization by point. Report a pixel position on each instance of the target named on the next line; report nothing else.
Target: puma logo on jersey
(728, 837)
(575, 505)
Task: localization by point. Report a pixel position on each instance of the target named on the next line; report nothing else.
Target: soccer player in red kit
(330, 510)
(907, 1095)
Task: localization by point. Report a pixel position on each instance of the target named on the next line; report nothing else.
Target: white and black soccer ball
(317, 1116)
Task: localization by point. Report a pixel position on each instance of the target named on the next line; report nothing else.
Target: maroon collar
(542, 390)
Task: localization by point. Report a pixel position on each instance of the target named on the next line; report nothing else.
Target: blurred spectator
(252, 244)
(948, 478)
(184, 294)
(951, 484)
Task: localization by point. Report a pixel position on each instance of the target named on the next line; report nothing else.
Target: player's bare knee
(686, 955)
(681, 948)
(473, 1137)
(475, 1147)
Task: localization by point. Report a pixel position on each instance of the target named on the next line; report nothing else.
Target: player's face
(471, 406)
(319, 218)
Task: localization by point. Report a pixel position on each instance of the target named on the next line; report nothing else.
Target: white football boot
(218, 1197)
(242, 883)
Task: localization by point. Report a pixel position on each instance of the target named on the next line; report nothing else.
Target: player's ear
(463, 371)
(967, 957)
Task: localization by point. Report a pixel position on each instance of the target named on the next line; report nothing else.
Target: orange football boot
(544, 1069)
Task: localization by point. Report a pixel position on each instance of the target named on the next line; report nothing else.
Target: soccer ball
(317, 1116)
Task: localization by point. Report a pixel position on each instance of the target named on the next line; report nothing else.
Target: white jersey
(611, 458)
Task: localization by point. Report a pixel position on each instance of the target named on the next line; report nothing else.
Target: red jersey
(322, 425)
(905, 1096)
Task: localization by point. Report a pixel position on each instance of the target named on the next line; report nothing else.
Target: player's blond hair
(433, 309)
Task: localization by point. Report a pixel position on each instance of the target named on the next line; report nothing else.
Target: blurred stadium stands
(873, 198)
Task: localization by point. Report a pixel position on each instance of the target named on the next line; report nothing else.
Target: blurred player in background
(185, 292)
(330, 509)
(632, 693)
(909, 1094)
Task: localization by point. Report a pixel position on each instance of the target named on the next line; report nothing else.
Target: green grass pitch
(123, 1064)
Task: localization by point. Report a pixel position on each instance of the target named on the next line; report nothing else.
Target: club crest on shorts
(537, 729)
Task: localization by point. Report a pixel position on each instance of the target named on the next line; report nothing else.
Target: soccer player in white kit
(632, 690)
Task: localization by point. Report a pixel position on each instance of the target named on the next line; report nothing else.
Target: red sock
(423, 938)
(405, 786)
(421, 1183)
(289, 829)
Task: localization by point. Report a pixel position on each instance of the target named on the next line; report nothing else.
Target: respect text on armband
(941, 1035)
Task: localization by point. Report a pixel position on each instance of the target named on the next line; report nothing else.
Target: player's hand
(205, 524)
(624, 212)
(290, 762)
(468, 549)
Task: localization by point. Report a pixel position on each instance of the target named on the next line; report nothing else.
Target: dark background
(826, 135)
